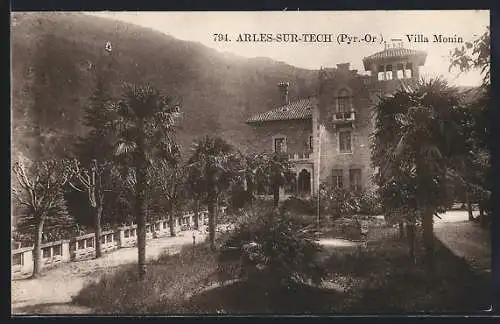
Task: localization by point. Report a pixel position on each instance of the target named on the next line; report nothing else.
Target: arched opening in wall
(400, 71)
(388, 72)
(408, 70)
(381, 73)
(304, 183)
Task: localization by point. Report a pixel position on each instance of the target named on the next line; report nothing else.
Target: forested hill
(54, 57)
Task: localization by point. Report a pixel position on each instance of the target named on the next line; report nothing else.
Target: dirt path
(465, 239)
(53, 291)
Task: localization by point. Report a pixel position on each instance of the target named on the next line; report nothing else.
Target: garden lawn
(169, 281)
(385, 281)
(378, 278)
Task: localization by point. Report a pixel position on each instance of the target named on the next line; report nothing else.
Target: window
(164, 225)
(381, 73)
(337, 178)
(408, 70)
(18, 259)
(400, 71)
(126, 233)
(343, 101)
(57, 249)
(46, 252)
(311, 141)
(103, 239)
(90, 242)
(355, 179)
(388, 72)
(80, 245)
(345, 141)
(110, 238)
(280, 145)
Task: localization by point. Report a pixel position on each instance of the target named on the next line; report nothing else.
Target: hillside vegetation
(55, 57)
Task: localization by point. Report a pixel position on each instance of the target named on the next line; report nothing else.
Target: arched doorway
(304, 183)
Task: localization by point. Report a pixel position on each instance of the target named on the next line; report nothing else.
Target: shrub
(340, 202)
(369, 203)
(169, 281)
(277, 249)
(301, 206)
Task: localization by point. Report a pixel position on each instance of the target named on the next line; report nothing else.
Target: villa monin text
(435, 38)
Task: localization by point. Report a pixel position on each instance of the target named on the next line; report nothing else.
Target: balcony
(303, 156)
(344, 117)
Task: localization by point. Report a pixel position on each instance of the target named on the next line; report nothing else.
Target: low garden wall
(83, 247)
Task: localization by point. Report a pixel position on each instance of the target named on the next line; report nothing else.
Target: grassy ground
(379, 278)
(387, 282)
(169, 282)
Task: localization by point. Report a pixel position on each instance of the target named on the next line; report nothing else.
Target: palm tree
(212, 168)
(271, 170)
(145, 124)
(414, 140)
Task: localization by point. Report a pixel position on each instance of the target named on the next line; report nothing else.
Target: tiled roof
(392, 52)
(300, 109)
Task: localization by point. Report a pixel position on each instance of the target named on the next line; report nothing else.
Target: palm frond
(124, 148)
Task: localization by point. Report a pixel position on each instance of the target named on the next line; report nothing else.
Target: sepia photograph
(251, 163)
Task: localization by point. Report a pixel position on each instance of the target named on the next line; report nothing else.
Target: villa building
(327, 137)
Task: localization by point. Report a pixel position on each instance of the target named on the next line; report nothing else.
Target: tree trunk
(428, 236)
(469, 205)
(141, 202)
(98, 249)
(211, 224)
(482, 218)
(196, 214)
(217, 210)
(401, 229)
(410, 229)
(171, 224)
(37, 250)
(276, 195)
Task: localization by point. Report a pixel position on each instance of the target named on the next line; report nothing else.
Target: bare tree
(167, 179)
(94, 181)
(40, 190)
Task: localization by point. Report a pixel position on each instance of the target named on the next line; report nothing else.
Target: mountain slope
(54, 57)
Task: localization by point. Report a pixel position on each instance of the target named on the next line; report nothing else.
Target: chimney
(343, 67)
(283, 89)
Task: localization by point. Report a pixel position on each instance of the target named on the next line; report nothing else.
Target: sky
(201, 27)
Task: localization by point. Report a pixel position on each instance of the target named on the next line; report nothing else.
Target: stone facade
(340, 119)
(295, 132)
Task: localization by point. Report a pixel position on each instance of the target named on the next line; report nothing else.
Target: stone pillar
(120, 235)
(27, 261)
(66, 256)
(311, 191)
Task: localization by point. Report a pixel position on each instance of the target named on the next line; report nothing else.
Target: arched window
(408, 70)
(400, 71)
(388, 72)
(343, 101)
(381, 73)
